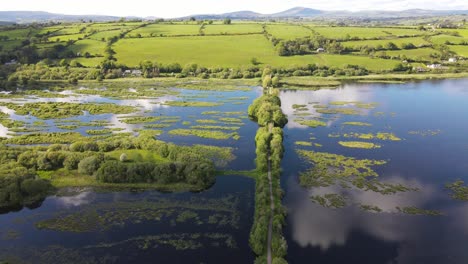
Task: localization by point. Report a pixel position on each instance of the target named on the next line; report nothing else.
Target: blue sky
(177, 8)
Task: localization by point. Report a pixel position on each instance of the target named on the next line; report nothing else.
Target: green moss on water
(358, 144)
(206, 121)
(303, 143)
(310, 122)
(140, 119)
(106, 216)
(51, 110)
(418, 211)
(330, 200)
(330, 169)
(216, 127)
(343, 111)
(192, 104)
(370, 208)
(213, 134)
(425, 133)
(356, 124)
(459, 191)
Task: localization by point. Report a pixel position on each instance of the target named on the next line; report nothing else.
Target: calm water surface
(315, 234)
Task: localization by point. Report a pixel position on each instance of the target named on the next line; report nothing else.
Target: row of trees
(269, 152)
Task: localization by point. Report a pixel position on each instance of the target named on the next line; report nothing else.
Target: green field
(417, 41)
(414, 54)
(228, 51)
(94, 47)
(287, 32)
(167, 30)
(460, 50)
(66, 37)
(442, 39)
(233, 29)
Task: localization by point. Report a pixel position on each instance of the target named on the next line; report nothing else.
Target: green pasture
(460, 50)
(442, 39)
(66, 37)
(288, 32)
(228, 51)
(94, 47)
(415, 54)
(233, 29)
(167, 30)
(417, 41)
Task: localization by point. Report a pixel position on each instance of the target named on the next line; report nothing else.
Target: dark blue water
(317, 234)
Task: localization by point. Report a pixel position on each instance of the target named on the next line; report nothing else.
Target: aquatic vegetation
(46, 138)
(387, 136)
(179, 241)
(216, 127)
(149, 126)
(343, 111)
(100, 131)
(206, 121)
(330, 200)
(418, 211)
(51, 110)
(330, 169)
(459, 190)
(192, 104)
(379, 135)
(230, 119)
(213, 134)
(356, 124)
(425, 133)
(303, 143)
(358, 144)
(186, 123)
(211, 113)
(370, 208)
(357, 104)
(105, 216)
(140, 119)
(297, 106)
(310, 122)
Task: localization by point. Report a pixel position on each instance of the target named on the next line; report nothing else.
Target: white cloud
(177, 8)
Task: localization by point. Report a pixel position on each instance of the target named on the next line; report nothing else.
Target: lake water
(317, 234)
(90, 226)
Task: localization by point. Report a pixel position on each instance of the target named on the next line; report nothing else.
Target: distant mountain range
(296, 12)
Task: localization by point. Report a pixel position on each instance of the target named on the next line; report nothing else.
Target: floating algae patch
(459, 190)
(140, 119)
(343, 111)
(178, 241)
(51, 110)
(150, 126)
(379, 135)
(211, 113)
(358, 144)
(357, 104)
(47, 138)
(418, 211)
(356, 124)
(370, 208)
(230, 119)
(330, 200)
(303, 143)
(207, 121)
(425, 133)
(216, 127)
(333, 169)
(299, 106)
(310, 122)
(192, 104)
(213, 134)
(105, 216)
